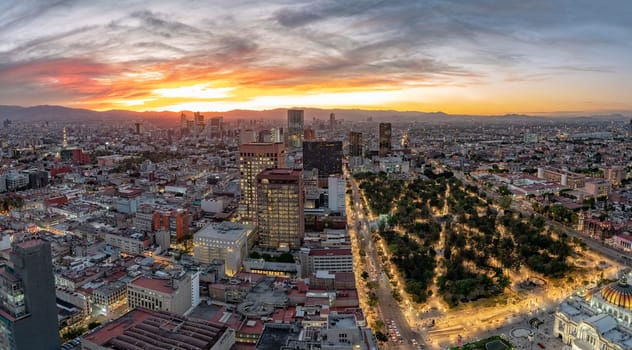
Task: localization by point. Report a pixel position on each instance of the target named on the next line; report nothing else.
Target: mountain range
(165, 118)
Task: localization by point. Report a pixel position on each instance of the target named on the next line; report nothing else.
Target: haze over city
(475, 57)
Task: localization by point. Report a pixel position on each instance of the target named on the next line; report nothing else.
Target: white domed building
(599, 320)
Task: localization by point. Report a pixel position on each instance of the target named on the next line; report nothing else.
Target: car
(541, 346)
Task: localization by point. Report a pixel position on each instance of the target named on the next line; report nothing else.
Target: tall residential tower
(253, 159)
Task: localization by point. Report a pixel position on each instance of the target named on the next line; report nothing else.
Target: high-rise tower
(28, 308)
(295, 123)
(280, 208)
(253, 159)
(384, 139)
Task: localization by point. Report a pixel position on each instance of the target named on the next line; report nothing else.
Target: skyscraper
(332, 122)
(355, 144)
(198, 119)
(217, 127)
(253, 159)
(326, 156)
(280, 208)
(384, 139)
(295, 129)
(28, 309)
(183, 122)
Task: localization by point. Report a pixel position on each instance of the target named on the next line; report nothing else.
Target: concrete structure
(326, 156)
(16, 180)
(615, 174)
(253, 159)
(342, 333)
(602, 319)
(146, 329)
(227, 241)
(336, 187)
(27, 299)
(170, 294)
(280, 208)
(384, 142)
(216, 125)
(295, 124)
(134, 243)
(597, 187)
(332, 260)
(356, 151)
(563, 177)
(110, 296)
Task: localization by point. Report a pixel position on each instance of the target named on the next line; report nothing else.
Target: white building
(336, 189)
(600, 320)
(16, 180)
(227, 241)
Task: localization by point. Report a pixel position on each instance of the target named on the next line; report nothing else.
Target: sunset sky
(471, 57)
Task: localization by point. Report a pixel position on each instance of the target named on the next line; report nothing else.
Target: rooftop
(159, 285)
(155, 329)
(225, 230)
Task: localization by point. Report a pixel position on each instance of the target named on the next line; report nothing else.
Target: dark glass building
(326, 156)
(28, 308)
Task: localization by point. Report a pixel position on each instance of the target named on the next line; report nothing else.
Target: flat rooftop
(155, 329)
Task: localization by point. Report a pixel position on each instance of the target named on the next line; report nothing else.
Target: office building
(174, 221)
(247, 136)
(276, 135)
(295, 123)
(336, 187)
(384, 139)
(216, 125)
(280, 208)
(227, 241)
(355, 144)
(326, 156)
(27, 299)
(326, 259)
(176, 293)
(253, 159)
(198, 119)
(332, 122)
(146, 329)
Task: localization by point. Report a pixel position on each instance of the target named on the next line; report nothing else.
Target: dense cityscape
(315, 175)
(325, 234)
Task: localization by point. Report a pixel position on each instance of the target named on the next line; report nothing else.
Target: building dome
(618, 293)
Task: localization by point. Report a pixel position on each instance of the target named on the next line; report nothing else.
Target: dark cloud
(285, 43)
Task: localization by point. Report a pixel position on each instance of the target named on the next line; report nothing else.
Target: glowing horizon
(454, 57)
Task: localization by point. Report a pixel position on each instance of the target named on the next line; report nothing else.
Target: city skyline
(488, 57)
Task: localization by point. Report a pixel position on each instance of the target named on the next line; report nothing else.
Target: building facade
(280, 208)
(227, 241)
(326, 156)
(385, 139)
(355, 144)
(295, 125)
(27, 299)
(253, 159)
(170, 294)
(599, 320)
(336, 190)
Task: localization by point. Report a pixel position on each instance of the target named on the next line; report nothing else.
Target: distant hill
(52, 113)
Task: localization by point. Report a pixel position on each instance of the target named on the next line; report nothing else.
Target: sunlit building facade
(280, 208)
(599, 320)
(253, 159)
